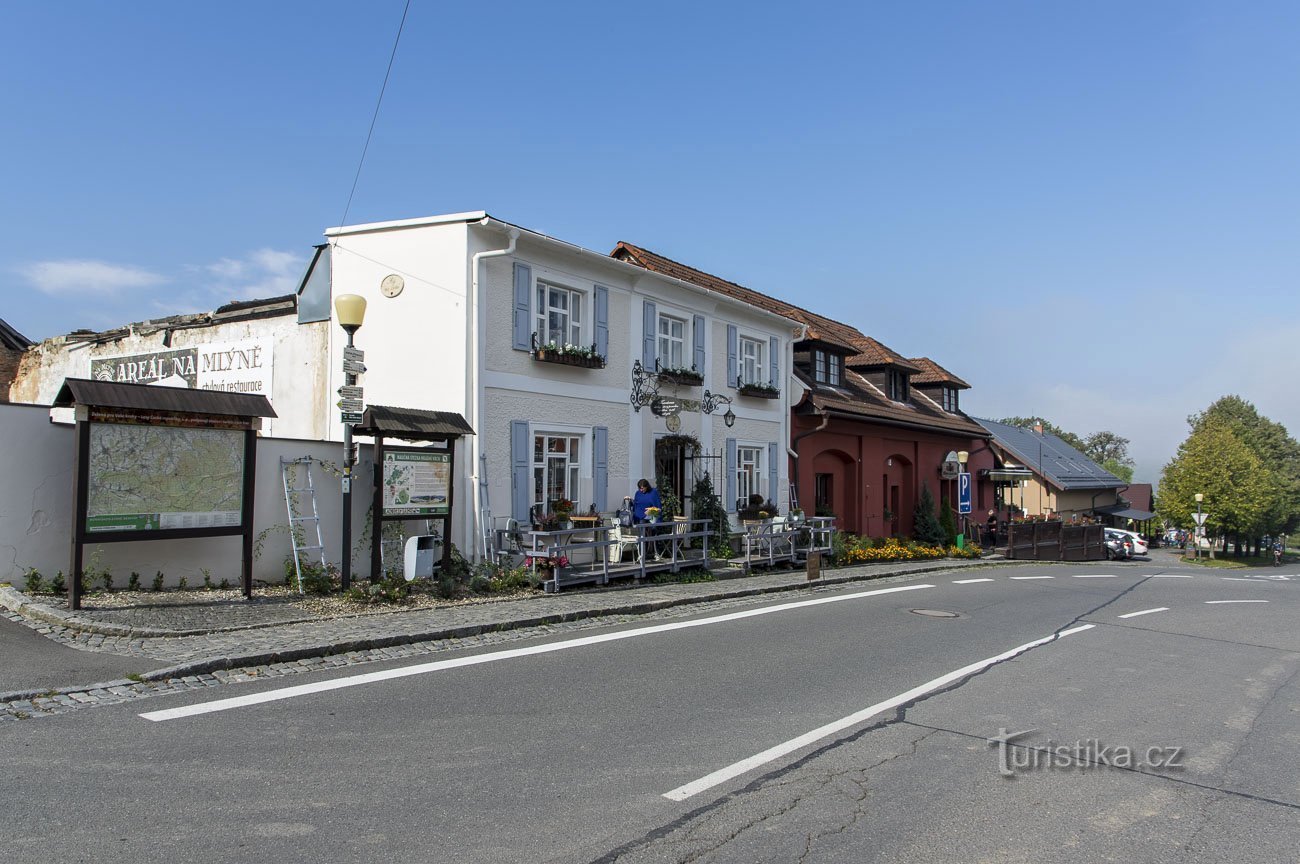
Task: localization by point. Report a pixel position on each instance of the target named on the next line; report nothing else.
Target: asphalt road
(28, 660)
(569, 751)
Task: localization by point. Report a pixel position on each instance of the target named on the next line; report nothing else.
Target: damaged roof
(237, 310)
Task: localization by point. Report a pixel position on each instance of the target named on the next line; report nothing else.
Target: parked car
(1139, 545)
(1119, 546)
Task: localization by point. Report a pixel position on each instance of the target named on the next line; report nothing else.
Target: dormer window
(828, 368)
(950, 399)
(897, 382)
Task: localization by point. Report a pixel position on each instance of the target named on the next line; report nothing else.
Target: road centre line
(1146, 612)
(1033, 577)
(1213, 602)
(492, 656)
(1169, 576)
(1093, 575)
(969, 581)
(722, 775)
(1237, 579)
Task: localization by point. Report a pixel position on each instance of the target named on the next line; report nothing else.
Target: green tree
(1215, 462)
(1119, 469)
(1277, 451)
(925, 525)
(705, 504)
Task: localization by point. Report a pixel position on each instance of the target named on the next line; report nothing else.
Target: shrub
(133, 583)
(705, 504)
(35, 582)
(926, 528)
(157, 584)
(58, 585)
(947, 524)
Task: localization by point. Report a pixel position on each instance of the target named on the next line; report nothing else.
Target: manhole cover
(935, 613)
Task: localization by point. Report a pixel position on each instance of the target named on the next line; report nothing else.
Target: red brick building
(872, 427)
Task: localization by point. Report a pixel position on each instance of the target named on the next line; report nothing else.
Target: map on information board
(416, 483)
(160, 478)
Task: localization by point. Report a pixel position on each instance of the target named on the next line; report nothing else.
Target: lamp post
(1200, 525)
(351, 311)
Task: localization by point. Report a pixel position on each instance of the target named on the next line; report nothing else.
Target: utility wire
(375, 117)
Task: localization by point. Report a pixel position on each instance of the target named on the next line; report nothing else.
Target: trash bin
(961, 541)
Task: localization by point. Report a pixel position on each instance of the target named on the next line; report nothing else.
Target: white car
(1139, 545)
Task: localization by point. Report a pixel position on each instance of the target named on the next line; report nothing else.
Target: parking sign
(963, 492)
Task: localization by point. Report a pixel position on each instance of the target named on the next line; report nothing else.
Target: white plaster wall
(415, 344)
(553, 411)
(37, 499)
(298, 377)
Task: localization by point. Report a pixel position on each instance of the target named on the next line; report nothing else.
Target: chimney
(1038, 427)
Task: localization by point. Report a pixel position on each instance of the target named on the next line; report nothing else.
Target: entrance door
(670, 467)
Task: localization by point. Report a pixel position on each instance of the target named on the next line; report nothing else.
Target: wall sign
(231, 367)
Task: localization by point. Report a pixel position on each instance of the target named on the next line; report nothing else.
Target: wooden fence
(1055, 541)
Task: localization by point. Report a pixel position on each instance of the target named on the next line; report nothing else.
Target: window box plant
(565, 354)
(682, 376)
(758, 391)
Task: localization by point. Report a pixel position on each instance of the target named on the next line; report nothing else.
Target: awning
(1124, 512)
(1013, 475)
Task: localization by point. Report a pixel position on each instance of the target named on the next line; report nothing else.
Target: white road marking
(1236, 579)
(1146, 612)
(969, 581)
(457, 662)
(1033, 577)
(1093, 575)
(722, 775)
(1213, 602)
(1169, 576)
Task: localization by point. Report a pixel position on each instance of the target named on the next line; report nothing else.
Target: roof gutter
(901, 424)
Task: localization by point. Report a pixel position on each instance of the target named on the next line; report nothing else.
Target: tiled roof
(859, 397)
(869, 352)
(1139, 496)
(932, 373)
(1059, 463)
(150, 397)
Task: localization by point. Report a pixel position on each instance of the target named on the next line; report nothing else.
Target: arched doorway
(835, 489)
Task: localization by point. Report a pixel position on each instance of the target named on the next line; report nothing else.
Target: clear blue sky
(1087, 210)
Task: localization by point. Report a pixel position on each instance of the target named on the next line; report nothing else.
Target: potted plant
(652, 515)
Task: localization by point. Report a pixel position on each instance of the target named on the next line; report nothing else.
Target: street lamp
(1196, 535)
(351, 311)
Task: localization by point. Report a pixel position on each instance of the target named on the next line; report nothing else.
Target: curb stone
(18, 603)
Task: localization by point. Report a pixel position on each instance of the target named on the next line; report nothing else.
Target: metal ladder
(294, 506)
(486, 526)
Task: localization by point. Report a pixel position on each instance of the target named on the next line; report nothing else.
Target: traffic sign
(350, 405)
(1199, 518)
(355, 354)
(963, 492)
(350, 391)
(352, 418)
(354, 367)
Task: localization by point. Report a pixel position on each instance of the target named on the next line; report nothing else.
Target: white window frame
(836, 365)
(950, 399)
(828, 367)
(544, 292)
(576, 463)
(666, 342)
(751, 367)
(750, 455)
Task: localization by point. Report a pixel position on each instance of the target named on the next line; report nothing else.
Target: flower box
(565, 358)
(759, 391)
(682, 377)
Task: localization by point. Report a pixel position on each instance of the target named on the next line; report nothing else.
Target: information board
(416, 483)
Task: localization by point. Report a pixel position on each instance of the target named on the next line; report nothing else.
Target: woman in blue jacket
(646, 496)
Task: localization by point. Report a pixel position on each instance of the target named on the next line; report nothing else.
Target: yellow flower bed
(867, 551)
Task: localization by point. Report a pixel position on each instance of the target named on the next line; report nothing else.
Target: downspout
(476, 364)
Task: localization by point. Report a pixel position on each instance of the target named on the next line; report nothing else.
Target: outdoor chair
(623, 540)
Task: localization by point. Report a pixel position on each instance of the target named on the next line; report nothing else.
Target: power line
(375, 117)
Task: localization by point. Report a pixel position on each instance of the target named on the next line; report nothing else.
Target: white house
(479, 296)
(457, 306)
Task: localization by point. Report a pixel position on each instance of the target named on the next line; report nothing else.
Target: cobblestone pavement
(252, 645)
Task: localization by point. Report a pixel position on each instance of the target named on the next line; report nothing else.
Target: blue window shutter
(697, 330)
(773, 491)
(523, 298)
(521, 458)
(602, 322)
(774, 360)
(649, 321)
(600, 472)
(733, 360)
(731, 475)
